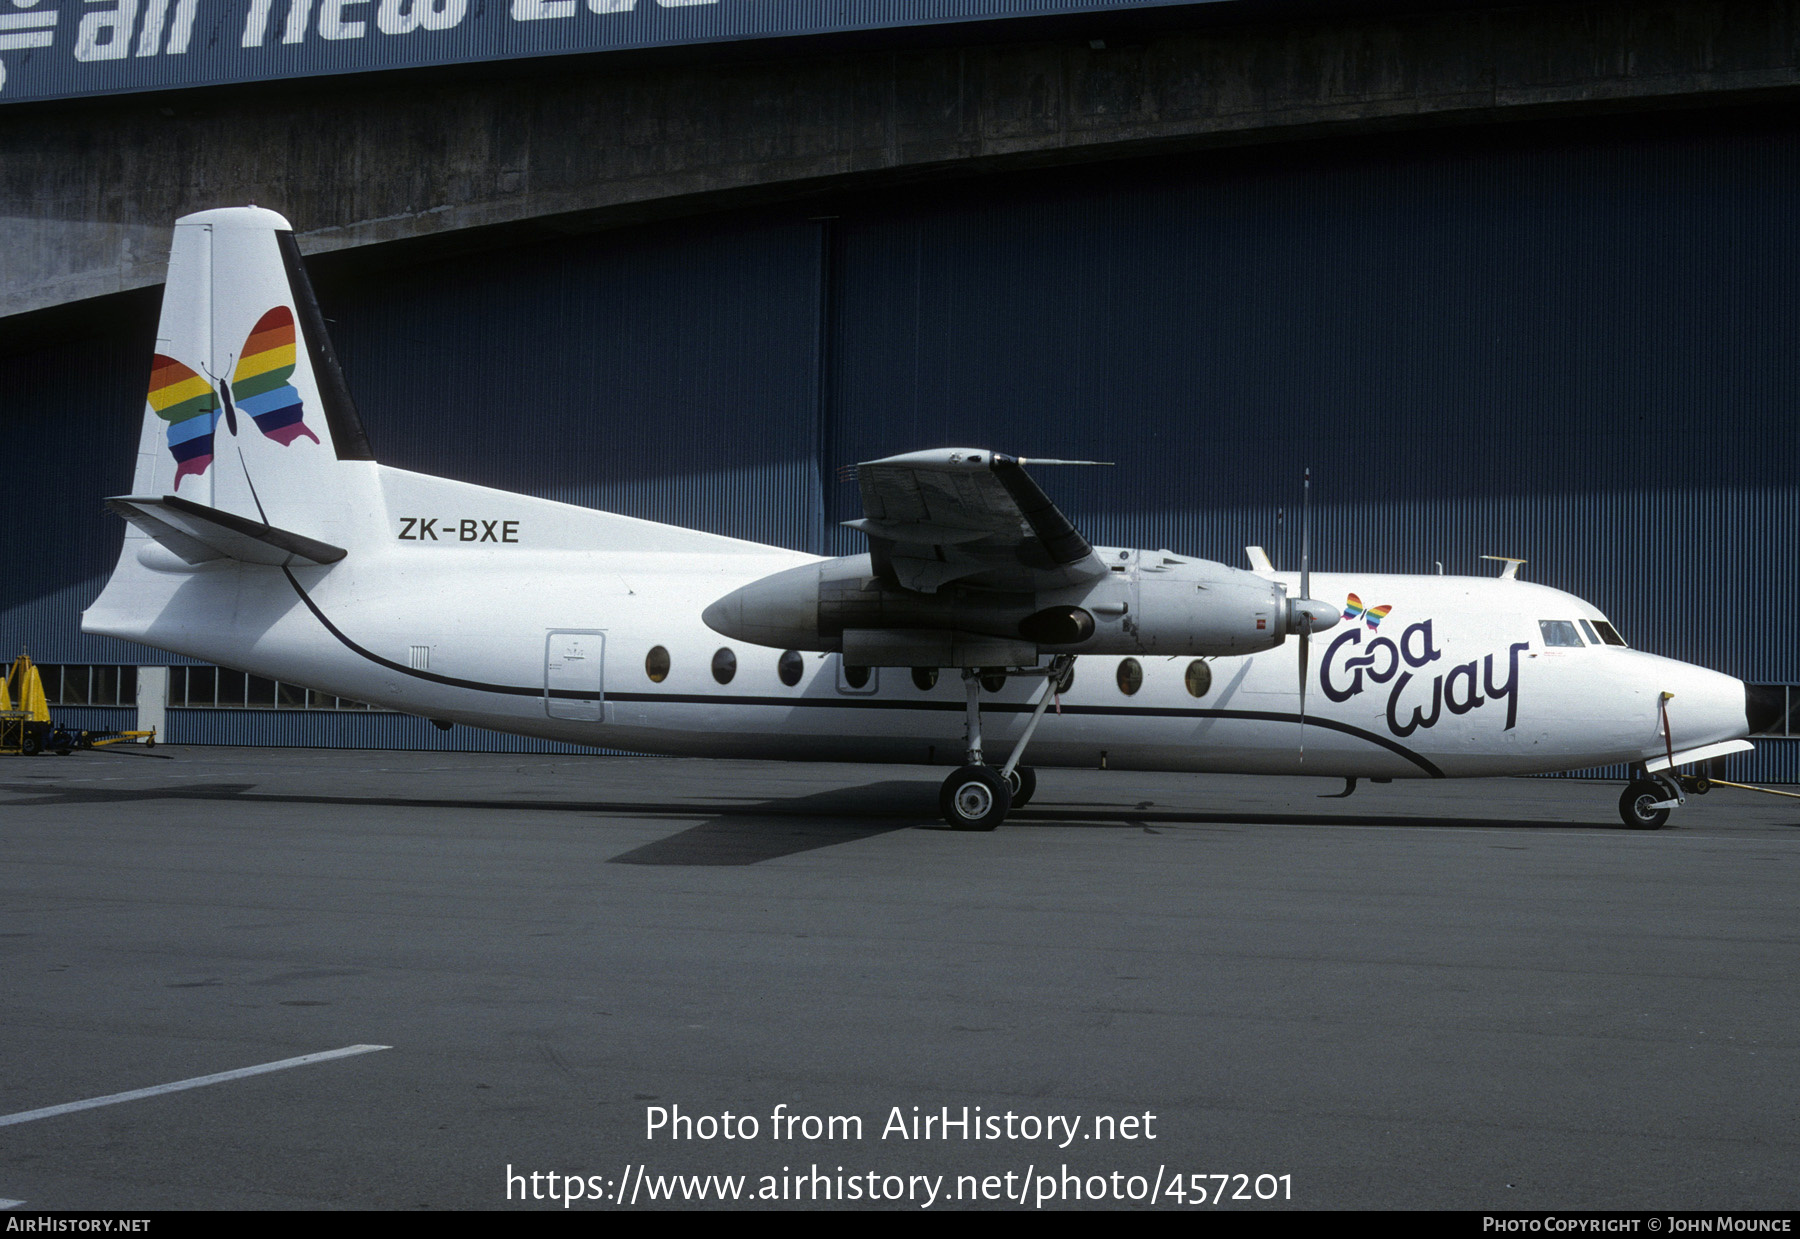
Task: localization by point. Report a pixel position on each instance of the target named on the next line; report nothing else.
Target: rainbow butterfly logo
(259, 386)
(1354, 610)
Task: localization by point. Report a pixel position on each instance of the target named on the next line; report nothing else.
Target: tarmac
(1463, 995)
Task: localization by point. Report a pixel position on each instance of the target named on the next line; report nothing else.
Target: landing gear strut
(1647, 801)
(978, 797)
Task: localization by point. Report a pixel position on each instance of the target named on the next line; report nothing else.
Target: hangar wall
(1570, 343)
(89, 189)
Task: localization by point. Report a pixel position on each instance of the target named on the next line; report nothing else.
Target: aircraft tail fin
(247, 412)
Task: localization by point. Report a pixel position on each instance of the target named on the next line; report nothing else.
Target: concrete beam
(88, 191)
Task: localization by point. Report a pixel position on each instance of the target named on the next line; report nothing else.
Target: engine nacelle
(1150, 602)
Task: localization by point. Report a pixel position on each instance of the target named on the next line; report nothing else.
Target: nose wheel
(1647, 801)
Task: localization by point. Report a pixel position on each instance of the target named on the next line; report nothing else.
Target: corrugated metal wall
(1569, 344)
(1579, 352)
(669, 373)
(69, 418)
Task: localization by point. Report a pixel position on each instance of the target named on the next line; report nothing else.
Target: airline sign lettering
(51, 49)
(1351, 668)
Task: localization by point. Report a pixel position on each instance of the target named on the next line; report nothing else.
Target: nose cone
(726, 616)
(1765, 706)
(781, 610)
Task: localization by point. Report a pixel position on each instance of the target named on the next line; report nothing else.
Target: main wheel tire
(1634, 806)
(975, 798)
(1023, 785)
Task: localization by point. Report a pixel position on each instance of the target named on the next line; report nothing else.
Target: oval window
(855, 676)
(656, 664)
(790, 667)
(1199, 678)
(925, 678)
(724, 666)
(1131, 676)
(993, 678)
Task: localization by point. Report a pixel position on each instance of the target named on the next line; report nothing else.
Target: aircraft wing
(969, 515)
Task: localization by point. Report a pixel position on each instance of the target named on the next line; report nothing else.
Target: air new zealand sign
(53, 49)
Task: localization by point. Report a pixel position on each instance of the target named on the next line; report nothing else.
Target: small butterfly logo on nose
(1354, 610)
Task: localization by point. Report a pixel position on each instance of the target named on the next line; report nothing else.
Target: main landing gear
(978, 797)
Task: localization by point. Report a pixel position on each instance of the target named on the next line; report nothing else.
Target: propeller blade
(1305, 596)
(1305, 658)
(1305, 535)
(1306, 619)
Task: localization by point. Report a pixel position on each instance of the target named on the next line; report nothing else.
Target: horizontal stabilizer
(197, 534)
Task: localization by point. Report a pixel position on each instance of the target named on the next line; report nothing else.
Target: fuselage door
(574, 671)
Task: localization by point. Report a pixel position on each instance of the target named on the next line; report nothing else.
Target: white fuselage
(538, 637)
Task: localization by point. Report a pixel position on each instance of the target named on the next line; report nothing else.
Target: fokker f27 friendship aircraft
(264, 536)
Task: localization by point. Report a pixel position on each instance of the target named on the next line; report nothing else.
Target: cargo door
(574, 671)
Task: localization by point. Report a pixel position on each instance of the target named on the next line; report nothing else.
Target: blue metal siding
(1575, 346)
(68, 434)
(668, 374)
(1577, 353)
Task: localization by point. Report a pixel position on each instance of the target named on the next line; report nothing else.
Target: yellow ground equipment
(26, 728)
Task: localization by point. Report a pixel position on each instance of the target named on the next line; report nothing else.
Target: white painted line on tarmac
(26, 1116)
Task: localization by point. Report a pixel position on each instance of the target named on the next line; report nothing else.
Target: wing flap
(966, 514)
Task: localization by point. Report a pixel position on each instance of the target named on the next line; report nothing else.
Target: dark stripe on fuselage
(861, 703)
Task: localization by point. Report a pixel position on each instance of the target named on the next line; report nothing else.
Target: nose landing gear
(1647, 801)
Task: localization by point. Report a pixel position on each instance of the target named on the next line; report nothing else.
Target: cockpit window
(1608, 633)
(1588, 630)
(1559, 632)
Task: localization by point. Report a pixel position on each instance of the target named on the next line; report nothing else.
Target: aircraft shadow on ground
(739, 834)
(747, 833)
(786, 827)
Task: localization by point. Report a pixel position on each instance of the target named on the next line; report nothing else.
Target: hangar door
(574, 671)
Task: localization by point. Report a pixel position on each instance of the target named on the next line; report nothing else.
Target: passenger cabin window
(1131, 676)
(924, 678)
(1199, 678)
(724, 666)
(656, 664)
(1559, 633)
(791, 667)
(854, 679)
